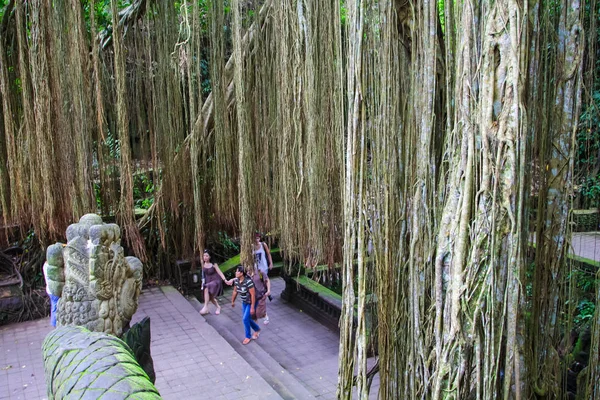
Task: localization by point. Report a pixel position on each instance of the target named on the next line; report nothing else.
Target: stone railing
(321, 303)
(325, 305)
(80, 364)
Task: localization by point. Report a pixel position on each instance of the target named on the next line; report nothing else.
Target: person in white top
(262, 261)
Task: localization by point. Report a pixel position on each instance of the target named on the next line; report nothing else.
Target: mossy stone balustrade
(80, 364)
(228, 266)
(325, 305)
(321, 303)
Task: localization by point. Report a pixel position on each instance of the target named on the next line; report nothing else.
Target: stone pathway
(583, 244)
(293, 343)
(586, 244)
(21, 364)
(191, 359)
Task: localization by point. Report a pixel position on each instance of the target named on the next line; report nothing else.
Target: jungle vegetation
(409, 141)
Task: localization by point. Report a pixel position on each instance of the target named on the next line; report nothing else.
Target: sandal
(256, 335)
(204, 312)
(218, 311)
(246, 341)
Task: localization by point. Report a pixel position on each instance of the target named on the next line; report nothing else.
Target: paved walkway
(295, 357)
(586, 244)
(21, 364)
(583, 244)
(191, 359)
(293, 343)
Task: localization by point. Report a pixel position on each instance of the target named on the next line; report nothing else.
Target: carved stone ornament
(97, 285)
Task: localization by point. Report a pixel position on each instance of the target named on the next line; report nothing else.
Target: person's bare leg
(204, 309)
(216, 303)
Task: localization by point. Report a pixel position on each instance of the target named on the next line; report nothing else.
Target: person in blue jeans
(245, 287)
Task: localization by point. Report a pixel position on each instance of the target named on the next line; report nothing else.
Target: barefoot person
(213, 283)
(245, 287)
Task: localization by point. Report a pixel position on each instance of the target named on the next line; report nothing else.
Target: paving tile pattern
(586, 244)
(300, 344)
(191, 359)
(21, 363)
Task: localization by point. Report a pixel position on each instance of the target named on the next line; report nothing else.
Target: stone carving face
(98, 286)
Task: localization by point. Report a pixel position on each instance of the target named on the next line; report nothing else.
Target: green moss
(584, 260)
(235, 261)
(318, 288)
(573, 257)
(320, 268)
(585, 212)
(230, 264)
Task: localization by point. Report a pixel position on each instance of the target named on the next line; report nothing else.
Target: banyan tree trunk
(447, 208)
(480, 253)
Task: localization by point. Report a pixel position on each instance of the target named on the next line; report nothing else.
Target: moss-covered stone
(234, 261)
(318, 288)
(110, 370)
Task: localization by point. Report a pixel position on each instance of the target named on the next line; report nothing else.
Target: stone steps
(284, 383)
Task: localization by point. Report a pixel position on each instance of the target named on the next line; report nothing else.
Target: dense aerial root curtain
(28, 126)
(7, 136)
(175, 201)
(388, 142)
(244, 149)
(288, 121)
(99, 125)
(322, 138)
(46, 115)
(41, 145)
(224, 150)
(455, 304)
(80, 113)
(562, 107)
(9, 182)
(421, 132)
(197, 141)
(125, 212)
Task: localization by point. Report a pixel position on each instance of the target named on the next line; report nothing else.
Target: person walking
(212, 282)
(262, 255)
(245, 287)
(262, 260)
(262, 287)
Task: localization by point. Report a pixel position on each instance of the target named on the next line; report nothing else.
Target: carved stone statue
(97, 285)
